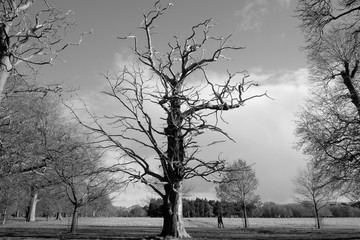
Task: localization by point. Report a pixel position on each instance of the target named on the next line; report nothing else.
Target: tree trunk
(245, 217)
(31, 217)
(348, 79)
(17, 213)
(5, 70)
(74, 219)
(58, 216)
(93, 214)
(317, 218)
(4, 216)
(173, 225)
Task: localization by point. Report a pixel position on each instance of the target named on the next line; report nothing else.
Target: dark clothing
(220, 222)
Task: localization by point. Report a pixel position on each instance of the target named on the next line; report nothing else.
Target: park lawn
(198, 228)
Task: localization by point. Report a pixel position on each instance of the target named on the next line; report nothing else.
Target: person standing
(220, 221)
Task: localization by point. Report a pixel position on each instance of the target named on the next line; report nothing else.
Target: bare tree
(77, 165)
(32, 33)
(239, 186)
(310, 188)
(317, 16)
(28, 133)
(328, 132)
(34, 128)
(327, 125)
(167, 100)
(8, 189)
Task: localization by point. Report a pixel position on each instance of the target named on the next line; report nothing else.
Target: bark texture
(32, 208)
(172, 210)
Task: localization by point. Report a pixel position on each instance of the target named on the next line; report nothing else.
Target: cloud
(264, 133)
(280, 77)
(284, 3)
(251, 15)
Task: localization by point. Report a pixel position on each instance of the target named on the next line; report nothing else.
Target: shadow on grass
(147, 233)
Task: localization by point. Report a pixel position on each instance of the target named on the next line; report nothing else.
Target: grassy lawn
(199, 228)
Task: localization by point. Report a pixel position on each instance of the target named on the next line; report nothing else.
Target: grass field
(199, 228)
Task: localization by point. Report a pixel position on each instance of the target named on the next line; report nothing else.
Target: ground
(199, 229)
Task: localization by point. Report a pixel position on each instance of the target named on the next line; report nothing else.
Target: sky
(263, 129)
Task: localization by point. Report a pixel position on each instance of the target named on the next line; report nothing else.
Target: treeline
(204, 208)
(272, 210)
(198, 208)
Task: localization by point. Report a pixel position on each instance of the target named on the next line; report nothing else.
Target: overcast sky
(263, 129)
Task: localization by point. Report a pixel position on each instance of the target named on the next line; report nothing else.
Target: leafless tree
(327, 125)
(27, 133)
(310, 188)
(32, 33)
(328, 132)
(174, 82)
(239, 186)
(78, 167)
(34, 128)
(317, 16)
(336, 61)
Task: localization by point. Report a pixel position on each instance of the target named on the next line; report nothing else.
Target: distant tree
(217, 210)
(239, 186)
(109, 211)
(155, 208)
(311, 189)
(208, 209)
(122, 212)
(163, 81)
(99, 204)
(77, 165)
(137, 211)
(186, 208)
(25, 141)
(7, 197)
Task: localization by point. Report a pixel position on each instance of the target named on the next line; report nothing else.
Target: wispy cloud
(284, 3)
(251, 15)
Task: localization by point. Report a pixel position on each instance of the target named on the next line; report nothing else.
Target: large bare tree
(166, 101)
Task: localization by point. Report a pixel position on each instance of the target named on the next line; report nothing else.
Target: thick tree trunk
(58, 216)
(74, 219)
(31, 217)
(348, 79)
(173, 225)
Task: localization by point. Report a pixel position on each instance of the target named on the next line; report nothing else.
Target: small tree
(239, 186)
(312, 190)
(76, 165)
